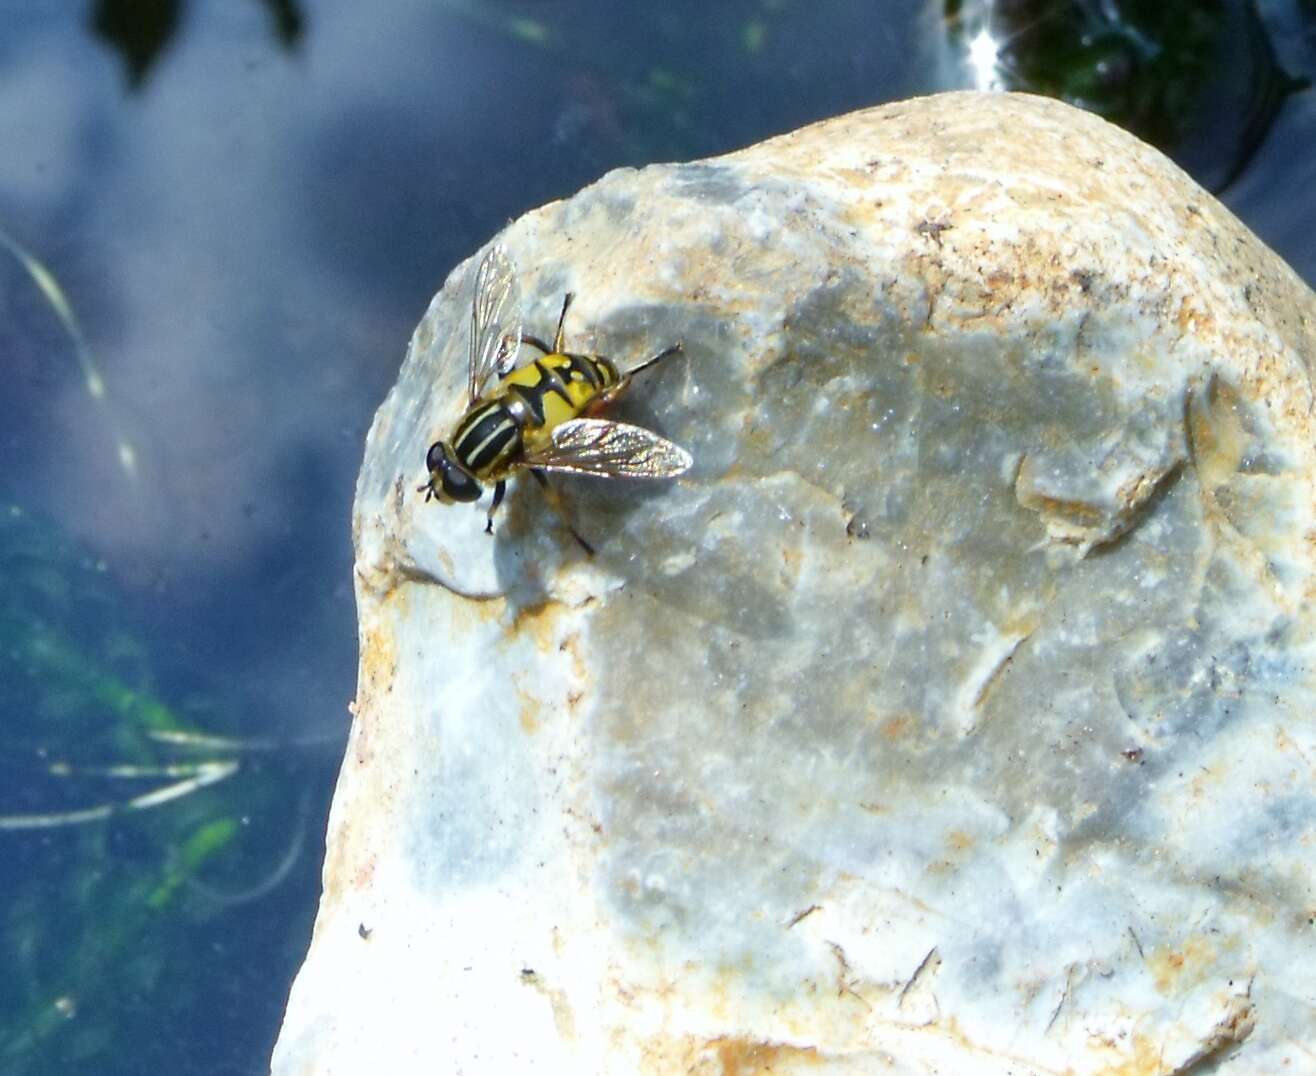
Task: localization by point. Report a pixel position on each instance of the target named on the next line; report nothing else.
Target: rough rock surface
(953, 715)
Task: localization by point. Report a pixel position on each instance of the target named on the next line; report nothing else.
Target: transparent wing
(495, 320)
(610, 449)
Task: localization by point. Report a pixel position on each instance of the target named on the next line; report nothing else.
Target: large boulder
(953, 714)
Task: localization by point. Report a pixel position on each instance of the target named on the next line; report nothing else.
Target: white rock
(953, 715)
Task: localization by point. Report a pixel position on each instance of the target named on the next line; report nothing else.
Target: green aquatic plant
(131, 830)
(119, 813)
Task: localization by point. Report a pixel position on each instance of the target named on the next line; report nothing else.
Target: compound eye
(459, 485)
(436, 457)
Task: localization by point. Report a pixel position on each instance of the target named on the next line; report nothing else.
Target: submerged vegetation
(52, 293)
(127, 826)
(1199, 79)
(120, 819)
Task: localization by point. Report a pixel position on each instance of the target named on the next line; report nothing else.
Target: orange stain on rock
(1176, 969)
(898, 727)
(539, 622)
(529, 712)
(744, 1057)
(959, 841)
(376, 672)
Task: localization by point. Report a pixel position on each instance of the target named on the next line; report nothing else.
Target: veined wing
(495, 320)
(610, 449)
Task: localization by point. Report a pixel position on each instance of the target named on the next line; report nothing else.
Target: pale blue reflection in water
(246, 212)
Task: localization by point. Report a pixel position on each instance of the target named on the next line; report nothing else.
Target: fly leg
(535, 342)
(499, 490)
(555, 499)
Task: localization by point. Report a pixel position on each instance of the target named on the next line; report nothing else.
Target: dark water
(247, 206)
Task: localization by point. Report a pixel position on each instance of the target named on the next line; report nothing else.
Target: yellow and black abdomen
(531, 402)
(487, 439)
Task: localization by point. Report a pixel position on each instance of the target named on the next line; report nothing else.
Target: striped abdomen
(487, 439)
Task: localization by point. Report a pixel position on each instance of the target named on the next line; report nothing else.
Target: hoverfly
(541, 416)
